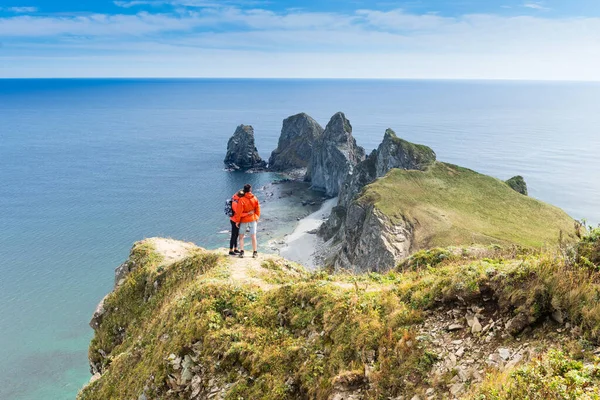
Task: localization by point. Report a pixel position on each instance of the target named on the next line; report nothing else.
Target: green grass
(299, 339)
(452, 206)
(553, 376)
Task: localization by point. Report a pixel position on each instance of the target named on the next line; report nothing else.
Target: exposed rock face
(393, 152)
(294, 150)
(517, 183)
(361, 238)
(241, 151)
(334, 156)
(368, 241)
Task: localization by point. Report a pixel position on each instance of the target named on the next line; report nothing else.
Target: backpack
(229, 208)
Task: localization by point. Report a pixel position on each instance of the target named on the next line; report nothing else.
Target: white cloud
(20, 10)
(189, 3)
(536, 5)
(365, 43)
(134, 3)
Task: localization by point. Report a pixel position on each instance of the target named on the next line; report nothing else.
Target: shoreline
(302, 244)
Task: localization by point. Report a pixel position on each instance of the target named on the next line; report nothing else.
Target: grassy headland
(452, 206)
(248, 329)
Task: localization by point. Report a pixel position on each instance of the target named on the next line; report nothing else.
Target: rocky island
(437, 283)
(241, 151)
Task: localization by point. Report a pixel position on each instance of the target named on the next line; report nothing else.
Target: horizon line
(295, 78)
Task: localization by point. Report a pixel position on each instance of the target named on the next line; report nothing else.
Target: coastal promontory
(437, 282)
(467, 323)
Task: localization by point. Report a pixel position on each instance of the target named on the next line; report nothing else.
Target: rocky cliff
(353, 231)
(334, 156)
(393, 152)
(409, 210)
(459, 323)
(295, 148)
(241, 151)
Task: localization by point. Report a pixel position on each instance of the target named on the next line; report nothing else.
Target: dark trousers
(235, 231)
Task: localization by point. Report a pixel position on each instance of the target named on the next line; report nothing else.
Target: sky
(419, 39)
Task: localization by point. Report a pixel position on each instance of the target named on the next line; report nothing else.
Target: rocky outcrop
(334, 156)
(517, 183)
(368, 241)
(241, 151)
(294, 150)
(393, 152)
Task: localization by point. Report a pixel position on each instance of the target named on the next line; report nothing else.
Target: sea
(89, 166)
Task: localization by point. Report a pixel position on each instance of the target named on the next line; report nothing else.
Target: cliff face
(241, 151)
(368, 240)
(295, 148)
(334, 156)
(444, 205)
(358, 235)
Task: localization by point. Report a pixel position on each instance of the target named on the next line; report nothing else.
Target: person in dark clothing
(235, 229)
(247, 217)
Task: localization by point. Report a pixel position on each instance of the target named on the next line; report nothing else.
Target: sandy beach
(300, 246)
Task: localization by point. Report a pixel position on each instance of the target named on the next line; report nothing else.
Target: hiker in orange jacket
(235, 230)
(246, 217)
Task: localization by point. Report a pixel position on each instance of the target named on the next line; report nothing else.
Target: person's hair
(241, 193)
(247, 188)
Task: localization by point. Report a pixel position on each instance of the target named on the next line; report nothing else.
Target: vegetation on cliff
(447, 205)
(208, 326)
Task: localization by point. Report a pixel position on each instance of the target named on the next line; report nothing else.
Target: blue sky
(429, 39)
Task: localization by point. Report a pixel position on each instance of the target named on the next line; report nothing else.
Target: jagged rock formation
(334, 156)
(517, 183)
(360, 236)
(295, 147)
(393, 152)
(241, 151)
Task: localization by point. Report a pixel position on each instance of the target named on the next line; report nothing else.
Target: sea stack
(241, 151)
(334, 156)
(294, 150)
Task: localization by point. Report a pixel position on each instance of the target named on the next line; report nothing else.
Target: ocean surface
(87, 167)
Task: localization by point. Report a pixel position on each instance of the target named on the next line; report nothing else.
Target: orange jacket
(234, 205)
(246, 204)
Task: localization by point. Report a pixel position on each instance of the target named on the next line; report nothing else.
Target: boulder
(518, 184)
(294, 150)
(241, 151)
(334, 156)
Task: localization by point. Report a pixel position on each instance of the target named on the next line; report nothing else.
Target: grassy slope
(450, 205)
(298, 333)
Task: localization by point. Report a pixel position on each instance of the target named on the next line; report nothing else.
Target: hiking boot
(232, 253)
(236, 251)
(241, 255)
(255, 254)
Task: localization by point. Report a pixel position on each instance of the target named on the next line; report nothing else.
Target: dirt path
(244, 270)
(170, 249)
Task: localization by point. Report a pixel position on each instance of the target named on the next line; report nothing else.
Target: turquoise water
(87, 167)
